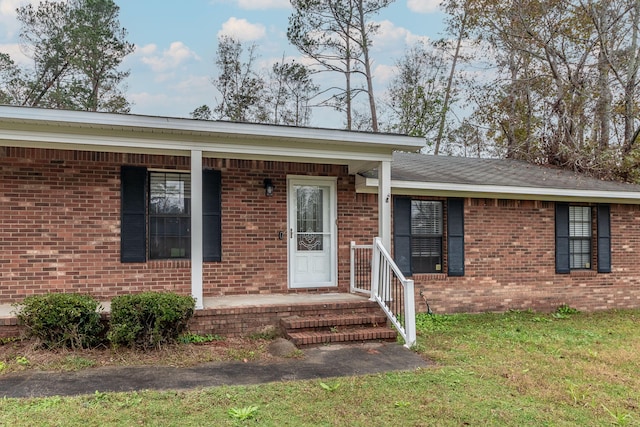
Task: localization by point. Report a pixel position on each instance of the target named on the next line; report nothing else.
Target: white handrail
(382, 291)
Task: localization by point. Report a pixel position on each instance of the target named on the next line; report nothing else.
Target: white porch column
(196, 227)
(384, 203)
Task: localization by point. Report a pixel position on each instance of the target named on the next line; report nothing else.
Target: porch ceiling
(74, 130)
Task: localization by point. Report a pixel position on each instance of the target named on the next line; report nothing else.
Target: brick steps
(300, 322)
(339, 328)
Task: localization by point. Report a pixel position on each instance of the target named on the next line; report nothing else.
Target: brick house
(112, 204)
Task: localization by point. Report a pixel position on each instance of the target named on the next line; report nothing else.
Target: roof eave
(411, 188)
(244, 131)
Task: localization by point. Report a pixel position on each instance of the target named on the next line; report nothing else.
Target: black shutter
(133, 222)
(402, 234)
(562, 239)
(455, 237)
(211, 215)
(604, 239)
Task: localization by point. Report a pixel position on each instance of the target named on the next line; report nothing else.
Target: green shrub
(62, 320)
(150, 319)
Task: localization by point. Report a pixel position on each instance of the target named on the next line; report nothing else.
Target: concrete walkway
(319, 362)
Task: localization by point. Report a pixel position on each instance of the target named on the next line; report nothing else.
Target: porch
(380, 296)
(242, 315)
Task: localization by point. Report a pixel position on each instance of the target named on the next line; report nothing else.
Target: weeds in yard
(22, 360)
(619, 418)
(76, 363)
(245, 413)
(98, 398)
(242, 354)
(268, 334)
(329, 387)
(47, 403)
(199, 339)
(564, 312)
(511, 369)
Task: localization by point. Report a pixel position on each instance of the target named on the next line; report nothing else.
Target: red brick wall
(510, 263)
(60, 231)
(60, 226)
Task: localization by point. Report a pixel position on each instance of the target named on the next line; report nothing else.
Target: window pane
(580, 237)
(310, 218)
(426, 254)
(579, 221)
(426, 236)
(170, 193)
(169, 215)
(426, 217)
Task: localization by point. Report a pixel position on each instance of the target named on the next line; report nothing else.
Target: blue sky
(173, 63)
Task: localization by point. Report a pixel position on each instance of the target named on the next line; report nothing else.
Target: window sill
(169, 263)
(429, 276)
(584, 273)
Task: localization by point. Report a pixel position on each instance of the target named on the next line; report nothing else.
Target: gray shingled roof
(497, 172)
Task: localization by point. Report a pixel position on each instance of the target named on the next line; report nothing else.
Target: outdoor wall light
(268, 187)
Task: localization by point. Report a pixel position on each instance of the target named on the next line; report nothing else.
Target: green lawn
(517, 368)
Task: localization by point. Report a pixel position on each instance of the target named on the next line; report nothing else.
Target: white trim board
(413, 188)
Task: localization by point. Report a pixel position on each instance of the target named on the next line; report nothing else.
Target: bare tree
(292, 89)
(337, 35)
(240, 86)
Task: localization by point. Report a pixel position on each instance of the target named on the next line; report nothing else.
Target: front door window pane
(310, 221)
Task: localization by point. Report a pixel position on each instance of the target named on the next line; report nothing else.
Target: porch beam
(384, 203)
(196, 228)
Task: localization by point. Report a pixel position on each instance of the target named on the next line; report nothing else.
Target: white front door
(312, 232)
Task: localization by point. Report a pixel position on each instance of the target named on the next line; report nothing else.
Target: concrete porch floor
(249, 300)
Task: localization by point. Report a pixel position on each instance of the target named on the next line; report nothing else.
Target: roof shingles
(494, 172)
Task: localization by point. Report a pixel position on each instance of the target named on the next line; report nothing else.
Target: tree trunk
(367, 67)
(447, 93)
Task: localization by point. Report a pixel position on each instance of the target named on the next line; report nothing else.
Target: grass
(516, 368)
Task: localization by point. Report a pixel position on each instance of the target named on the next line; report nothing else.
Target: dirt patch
(22, 355)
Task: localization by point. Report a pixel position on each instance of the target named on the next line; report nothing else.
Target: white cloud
(383, 73)
(242, 30)
(193, 84)
(423, 6)
(263, 4)
(9, 25)
(144, 99)
(8, 21)
(393, 39)
(169, 59)
(15, 52)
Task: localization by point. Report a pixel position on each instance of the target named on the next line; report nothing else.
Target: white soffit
(411, 188)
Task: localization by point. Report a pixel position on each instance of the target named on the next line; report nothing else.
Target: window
(418, 231)
(169, 215)
(579, 237)
(574, 238)
(426, 236)
(156, 215)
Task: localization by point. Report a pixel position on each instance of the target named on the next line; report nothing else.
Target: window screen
(580, 237)
(426, 236)
(169, 215)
